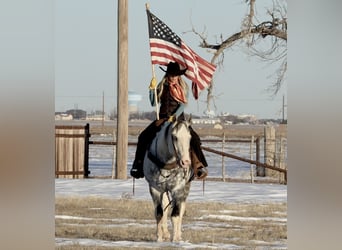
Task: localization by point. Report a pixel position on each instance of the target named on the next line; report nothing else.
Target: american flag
(167, 47)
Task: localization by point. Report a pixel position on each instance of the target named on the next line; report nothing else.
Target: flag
(167, 47)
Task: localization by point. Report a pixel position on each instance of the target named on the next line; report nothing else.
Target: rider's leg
(200, 170)
(144, 140)
(198, 160)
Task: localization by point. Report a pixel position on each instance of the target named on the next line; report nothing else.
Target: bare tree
(253, 33)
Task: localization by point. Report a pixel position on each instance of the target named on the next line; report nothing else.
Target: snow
(216, 191)
(139, 245)
(213, 190)
(230, 218)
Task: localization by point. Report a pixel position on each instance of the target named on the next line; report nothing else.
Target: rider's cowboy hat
(173, 69)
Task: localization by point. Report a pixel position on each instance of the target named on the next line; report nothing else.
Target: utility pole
(122, 93)
(284, 109)
(103, 113)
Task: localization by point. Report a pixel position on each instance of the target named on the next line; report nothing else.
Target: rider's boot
(200, 170)
(137, 170)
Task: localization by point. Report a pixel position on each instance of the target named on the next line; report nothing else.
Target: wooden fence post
(260, 171)
(282, 157)
(269, 153)
(114, 153)
(223, 167)
(257, 155)
(86, 150)
(251, 155)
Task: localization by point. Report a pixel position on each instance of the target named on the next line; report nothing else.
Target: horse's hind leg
(160, 215)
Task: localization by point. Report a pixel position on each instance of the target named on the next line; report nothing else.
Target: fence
(72, 162)
(72, 151)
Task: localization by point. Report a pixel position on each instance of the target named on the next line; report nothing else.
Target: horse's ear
(190, 119)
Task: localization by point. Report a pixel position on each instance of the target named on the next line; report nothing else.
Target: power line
(83, 96)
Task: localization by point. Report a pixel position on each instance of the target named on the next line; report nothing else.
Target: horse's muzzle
(185, 162)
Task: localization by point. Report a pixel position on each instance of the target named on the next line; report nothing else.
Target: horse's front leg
(163, 221)
(176, 218)
(160, 215)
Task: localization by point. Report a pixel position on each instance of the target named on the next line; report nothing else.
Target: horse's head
(181, 142)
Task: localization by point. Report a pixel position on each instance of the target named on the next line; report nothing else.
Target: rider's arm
(181, 107)
(179, 110)
(152, 97)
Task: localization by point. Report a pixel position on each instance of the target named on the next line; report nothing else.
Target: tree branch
(274, 29)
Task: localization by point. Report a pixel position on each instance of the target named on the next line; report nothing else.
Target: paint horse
(167, 169)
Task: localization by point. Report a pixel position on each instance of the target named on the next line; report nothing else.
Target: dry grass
(133, 220)
(238, 131)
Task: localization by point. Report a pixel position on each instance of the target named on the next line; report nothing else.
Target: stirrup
(201, 173)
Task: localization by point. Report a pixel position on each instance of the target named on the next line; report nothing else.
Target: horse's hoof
(177, 240)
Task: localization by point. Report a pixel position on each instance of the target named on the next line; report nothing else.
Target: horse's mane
(178, 123)
(176, 126)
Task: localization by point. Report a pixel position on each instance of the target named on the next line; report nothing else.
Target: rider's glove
(172, 118)
(153, 83)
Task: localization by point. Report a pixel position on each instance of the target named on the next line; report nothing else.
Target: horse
(167, 169)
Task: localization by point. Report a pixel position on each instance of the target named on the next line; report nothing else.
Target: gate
(72, 151)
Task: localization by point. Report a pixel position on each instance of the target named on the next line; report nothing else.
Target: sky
(86, 55)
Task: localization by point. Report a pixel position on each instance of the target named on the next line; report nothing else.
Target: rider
(172, 93)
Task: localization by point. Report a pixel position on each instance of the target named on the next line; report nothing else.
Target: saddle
(159, 163)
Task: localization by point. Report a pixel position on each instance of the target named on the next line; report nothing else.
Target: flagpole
(155, 93)
(147, 5)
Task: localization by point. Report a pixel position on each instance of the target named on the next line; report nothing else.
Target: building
(63, 116)
(133, 100)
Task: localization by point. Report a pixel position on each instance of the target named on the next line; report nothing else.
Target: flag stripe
(167, 47)
(170, 52)
(164, 58)
(186, 52)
